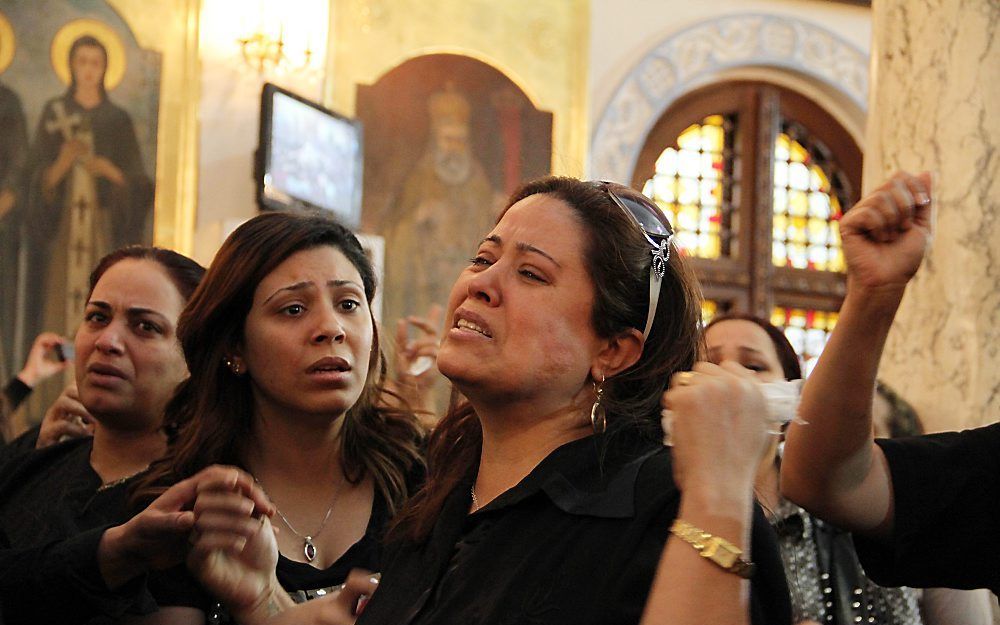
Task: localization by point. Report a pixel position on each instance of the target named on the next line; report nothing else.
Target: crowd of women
(251, 463)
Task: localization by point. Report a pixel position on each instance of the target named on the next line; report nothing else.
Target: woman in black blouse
(286, 383)
(128, 363)
(550, 496)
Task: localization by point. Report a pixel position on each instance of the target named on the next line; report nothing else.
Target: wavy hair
(617, 258)
(212, 411)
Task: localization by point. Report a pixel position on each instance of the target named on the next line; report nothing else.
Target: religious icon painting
(83, 181)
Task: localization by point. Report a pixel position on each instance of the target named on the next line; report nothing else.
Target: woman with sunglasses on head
(550, 496)
(128, 363)
(286, 382)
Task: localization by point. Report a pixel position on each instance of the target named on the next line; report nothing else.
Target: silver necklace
(308, 548)
(475, 500)
(119, 481)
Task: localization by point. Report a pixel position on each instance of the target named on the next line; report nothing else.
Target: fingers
(893, 208)
(183, 494)
(69, 403)
(154, 523)
(923, 216)
(226, 502)
(46, 341)
(425, 325)
(359, 586)
(71, 428)
(401, 334)
(215, 531)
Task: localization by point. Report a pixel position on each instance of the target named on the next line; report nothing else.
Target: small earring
(233, 365)
(598, 419)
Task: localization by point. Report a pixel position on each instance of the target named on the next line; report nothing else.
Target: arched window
(755, 178)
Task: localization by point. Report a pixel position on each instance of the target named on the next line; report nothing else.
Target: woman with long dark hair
(550, 497)
(286, 380)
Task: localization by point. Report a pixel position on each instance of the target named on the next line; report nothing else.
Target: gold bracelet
(718, 550)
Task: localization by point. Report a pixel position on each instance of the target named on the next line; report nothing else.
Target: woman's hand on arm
(831, 465)
(719, 435)
(235, 555)
(157, 538)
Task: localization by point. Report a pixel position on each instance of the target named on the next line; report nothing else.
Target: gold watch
(718, 550)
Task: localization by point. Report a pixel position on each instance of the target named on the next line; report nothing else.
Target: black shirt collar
(587, 477)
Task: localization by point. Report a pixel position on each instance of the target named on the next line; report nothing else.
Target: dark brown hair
(213, 409)
(185, 273)
(789, 360)
(902, 419)
(617, 258)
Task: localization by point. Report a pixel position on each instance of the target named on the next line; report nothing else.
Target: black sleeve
(61, 582)
(946, 492)
(15, 393)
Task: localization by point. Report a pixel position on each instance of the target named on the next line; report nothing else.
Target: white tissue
(782, 399)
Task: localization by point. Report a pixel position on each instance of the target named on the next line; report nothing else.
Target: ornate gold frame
(170, 27)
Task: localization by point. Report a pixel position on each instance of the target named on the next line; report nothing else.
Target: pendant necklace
(308, 548)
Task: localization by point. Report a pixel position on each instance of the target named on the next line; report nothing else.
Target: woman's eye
(531, 275)
(149, 327)
(95, 317)
(481, 261)
(350, 305)
(293, 310)
(756, 368)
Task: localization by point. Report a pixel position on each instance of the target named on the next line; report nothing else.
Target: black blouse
(576, 541)
(53, 493)
(53, 511)
(177, 587)
(946, 490)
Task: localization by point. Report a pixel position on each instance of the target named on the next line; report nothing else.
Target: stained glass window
(755, 179)
(807, 205)
(693, 183)
(807, 330)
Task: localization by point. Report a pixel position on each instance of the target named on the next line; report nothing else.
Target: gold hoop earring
(598, 419)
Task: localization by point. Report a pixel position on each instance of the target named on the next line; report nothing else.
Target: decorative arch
(694, 56)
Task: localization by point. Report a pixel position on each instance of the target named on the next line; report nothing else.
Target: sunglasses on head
(657, 232)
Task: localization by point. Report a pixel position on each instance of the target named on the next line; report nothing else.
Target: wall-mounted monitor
(309, 157)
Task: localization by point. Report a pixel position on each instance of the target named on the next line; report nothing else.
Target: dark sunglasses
(657, 232)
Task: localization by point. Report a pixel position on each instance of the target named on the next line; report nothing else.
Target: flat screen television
(309, 157)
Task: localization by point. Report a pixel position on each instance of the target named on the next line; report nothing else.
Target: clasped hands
(221, 519)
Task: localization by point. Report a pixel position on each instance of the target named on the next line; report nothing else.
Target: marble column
(935, 105)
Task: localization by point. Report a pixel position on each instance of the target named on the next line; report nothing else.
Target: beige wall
(622, 32)
(230, 103)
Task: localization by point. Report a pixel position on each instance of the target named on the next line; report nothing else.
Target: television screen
(310, 157)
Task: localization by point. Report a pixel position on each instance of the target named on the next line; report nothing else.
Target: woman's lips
(468, 324)
(330, 371)
(103, 374)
